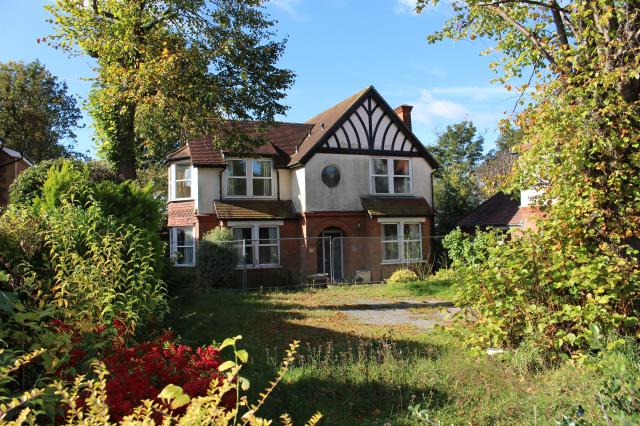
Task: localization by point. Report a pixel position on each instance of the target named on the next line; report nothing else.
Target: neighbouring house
(347, 193)
(12, 163)
(502, 211)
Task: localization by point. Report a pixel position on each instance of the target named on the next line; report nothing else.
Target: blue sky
(336, 47)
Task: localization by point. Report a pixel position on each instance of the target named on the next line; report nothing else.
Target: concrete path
(424, 315)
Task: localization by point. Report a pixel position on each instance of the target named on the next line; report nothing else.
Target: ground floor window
(183, 246)
(261, 245)
(401, 242)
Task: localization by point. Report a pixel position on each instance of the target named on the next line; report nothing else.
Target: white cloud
(405, 6)
(484, 106)
(290, 7)
(430, 110)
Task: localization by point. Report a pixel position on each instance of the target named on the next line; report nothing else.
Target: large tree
(170, 68)
(37, 115)
(456, 191)
(580, 148)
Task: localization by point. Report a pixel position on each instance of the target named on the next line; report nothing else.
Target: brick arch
(331, 227)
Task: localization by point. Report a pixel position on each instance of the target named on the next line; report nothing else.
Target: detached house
(12, 163)
(348, 193)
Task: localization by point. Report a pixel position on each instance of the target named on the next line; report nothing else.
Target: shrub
(87, 401)
(545, 291)
(402, 276)
(140, 372)
(217, 258)
(28, 185)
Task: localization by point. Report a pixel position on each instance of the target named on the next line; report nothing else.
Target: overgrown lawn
(371, 374)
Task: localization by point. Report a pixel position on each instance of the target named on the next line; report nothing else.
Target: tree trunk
(124, 150)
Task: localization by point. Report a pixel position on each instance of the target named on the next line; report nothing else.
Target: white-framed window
(391, 176)
(401, 242)
(180, 181)
(261, 245)
(249, 178)
(183, 246)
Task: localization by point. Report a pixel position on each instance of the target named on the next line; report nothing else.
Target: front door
(330, 254)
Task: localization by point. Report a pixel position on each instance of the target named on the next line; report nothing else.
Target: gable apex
(361, 124)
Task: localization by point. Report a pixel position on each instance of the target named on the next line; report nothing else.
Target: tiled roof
(396, 206)
(500, 211)
(282, 139)
(254, 209)
(287, 143)
(326, 118)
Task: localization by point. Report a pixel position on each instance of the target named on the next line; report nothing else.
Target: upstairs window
(390, 176)
(181, 184)
(249, 178)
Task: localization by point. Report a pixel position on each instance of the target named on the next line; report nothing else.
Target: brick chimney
(404, 112)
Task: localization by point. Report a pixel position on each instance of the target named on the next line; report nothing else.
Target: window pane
(237, 168)
(187, 255)
(412, 231)
(389, 232)
(183, 172)
(379, 166)
(268, 233)
(183, 189)
(401, 185)
(268, 255)
(261, 168)
(413, 249)
(381, 185)
(262, 187)
(401, 167)
(389, 251)
(242, 234)
(237, 186)
(184, 236)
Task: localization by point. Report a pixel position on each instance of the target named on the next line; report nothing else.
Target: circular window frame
(322, 176)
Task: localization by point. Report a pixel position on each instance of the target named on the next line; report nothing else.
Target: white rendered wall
(208, 188)
(354, 182)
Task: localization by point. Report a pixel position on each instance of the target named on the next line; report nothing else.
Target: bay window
(390, 176)
(401, 242)
(261, 245)
(180, 181)
(183, 246)
(249, 178)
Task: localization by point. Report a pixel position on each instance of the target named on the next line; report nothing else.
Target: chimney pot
(404, 112)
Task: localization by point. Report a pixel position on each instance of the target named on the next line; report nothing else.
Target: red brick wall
(8, 174)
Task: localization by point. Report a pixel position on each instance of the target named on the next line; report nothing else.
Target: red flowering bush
(141, 372)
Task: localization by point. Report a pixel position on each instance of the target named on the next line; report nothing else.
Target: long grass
(368, 375)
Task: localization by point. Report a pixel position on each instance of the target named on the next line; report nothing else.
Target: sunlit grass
(362, 374)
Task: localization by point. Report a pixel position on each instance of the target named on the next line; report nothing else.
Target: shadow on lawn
(268, 326)
(347, 403)
(385, 306)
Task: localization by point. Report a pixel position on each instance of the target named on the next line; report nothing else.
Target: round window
(331, 176)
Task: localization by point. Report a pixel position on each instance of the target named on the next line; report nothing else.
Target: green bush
(542, 290)
(217, 258)
(402, 276)
(28, 185)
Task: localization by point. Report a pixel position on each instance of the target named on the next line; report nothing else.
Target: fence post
(330, 260)
(244, 264)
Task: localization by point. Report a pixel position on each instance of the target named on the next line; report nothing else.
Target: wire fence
(331, 259)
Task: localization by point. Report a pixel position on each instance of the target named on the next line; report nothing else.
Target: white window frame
(173, 244)
(255, 244)
(400, 241)
(390, 176)
(173, 182)
(249, 178)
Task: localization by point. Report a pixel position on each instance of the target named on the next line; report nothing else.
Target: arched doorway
(329, 251)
